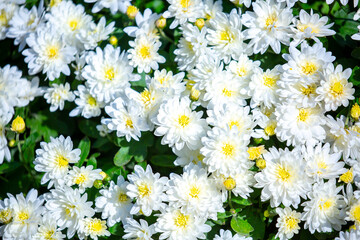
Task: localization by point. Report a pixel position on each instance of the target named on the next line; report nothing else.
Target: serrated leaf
(122, 157)
(241, 226)
(84, 146)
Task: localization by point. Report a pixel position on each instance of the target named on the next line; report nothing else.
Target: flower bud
(161, 22)
(200, 23)
(261, 163)
(132, 11)
(113, 41)
(18, 125)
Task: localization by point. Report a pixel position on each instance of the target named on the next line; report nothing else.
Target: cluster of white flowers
(209, 113)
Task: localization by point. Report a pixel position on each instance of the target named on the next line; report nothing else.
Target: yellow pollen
(129, 123)
(109, 73)
(144, 190)
(200, 23)
(303, 27)
(291, 222)
(309, 68)
(123, 197)
(241, 71)
(185, 3)
(229, 183)
(325, 204)
(53, 3)
(347, 177)
(5, 216)
(181, 220)
(271, 20)
(132, 11)
(52, 52)
(73, 24)
(303, 114)
(352, 227)
(62, 161)
(146, 97)
(95, 225)
(269, 81)
(22, 216)
(3, 18)
(283, 174)
(270, 129)
(31, 20)
(310, 89)
(337, 89)
(355, 111)
(194, 192)
(68, 210)
(144, 52)
(255, 152)
(355, 213)
(49, 234)
(183, 120)
(226, 35)
(228, 150)
(227, 93)
(80, 179)
(233, 123)
(91, 101)
(321, 165)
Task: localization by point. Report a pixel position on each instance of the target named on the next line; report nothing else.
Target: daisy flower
(113, 5)
(5, 118)
(57, 94)
(284, 179)
(183, 11)
(92, 227)
(83, 177)
(113, 203)
(48, 229)
(353, 234)
(243, 68)
(287, 223)
(227, 235)
(167, 82)
(148, 190)
(145, 25)
(136, 230)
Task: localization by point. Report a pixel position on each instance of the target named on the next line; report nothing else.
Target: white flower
(68, 207)
(243, 68)
(194, 192)
(145, 25)
(148, 190)
(57, 94)
(84, 177)
(54, 157)
(227, 235)
(48, 52)
(335, 90)
(176, 224)
(126, 120)
(134, 230)
(92, 227)
(354, 234)
(26, 215)
(5, 118)
(183, 11)
(113, 203)
(107, 73)
(144, 53)
(325, 209)
(87, 105)
(48, 229)
(113, 5)
(287, 223)
(284, 179)
(186, 156)
(166, 82)
(179, 125)
(225, 150)
(343, 2)
(7, 10)
(269, 25)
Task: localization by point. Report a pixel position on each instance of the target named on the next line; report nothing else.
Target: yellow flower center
(337, 89)
(270, 129)
(194, 192)
(291, 223)
(53, 3)
(261, 163)
(233, 123)
(269, 81)
(129, 123)
(185, 3)
(283, 174)
(3, 18)
(146, 97)
(355, 111)
(132, 11)
(22, 216)
(229, 183)
(303, 27)
(181, 220)
(347, 177)
(271, 20)
(228, 150)
(227, 93)
(62, 161)
(241, 71)
(226, 35)
(122, 197)
(309, 68)
(255, 152)
(109, 73)
(144, 190)
(144, 52)
(355, 213)
(5, 216)
(52, 52)
(73, 24)
(95, 225)
(68, 210)
(48, 235)
(322, 166)
(80, 179)
(91, 101)
(303, 114)
(310, 89)
(325, 204)
(183, 120)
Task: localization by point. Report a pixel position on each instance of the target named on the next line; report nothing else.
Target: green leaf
(241, 201)
(28, 147)
(241, 226)
(117, 229)
(84, 146)
(88, 127)
(163, 160)
(355, 76)
(9, 167)
(122, 157)
(92, 161)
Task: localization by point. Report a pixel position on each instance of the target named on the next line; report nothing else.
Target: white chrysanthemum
(343, 2)
(127, 120)
(287, 223)
(48, 229)
(83, 177)
(54, 157)
(26, 215)
(183, 11)
(227, 235)
(225, 35)
(191, 47)
(164, 81)
(211, 8)
(179, 125)
(174, 224)
(48, 53)
(185, 156)
(113, 203)
(325, 209)
(225, 150)
(354, 234)
(108, 73)
(263, 86)
(284, 179)
(30, 90)
(194, 192)
(243, 68)
(267, 123)
(93, 227)
(144, 54)
(7, 11)
(145, 24)
(68, 207)
(311, 26)
(230, 115)
(113, 5)
(87, 105)
(69, 19)
(135, 230)
(335, 90)
(322, 164)
(57, 94)
(148, 190)
(269, 25)
(306, 64)
(6, 214)
(5, 118)
(298, 125)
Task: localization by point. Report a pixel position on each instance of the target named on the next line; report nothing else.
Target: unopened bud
(355, 111)
(113, 41)
(261, 163)
(229, 183)
(98, 184)
(200, 23)
(161, 23)
(12, 143)
(132, 11)
(18, 125)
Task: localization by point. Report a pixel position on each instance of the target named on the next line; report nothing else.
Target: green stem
(22, 160)
(162, 33)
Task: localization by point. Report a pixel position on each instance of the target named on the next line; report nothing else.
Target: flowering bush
(179, 119)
